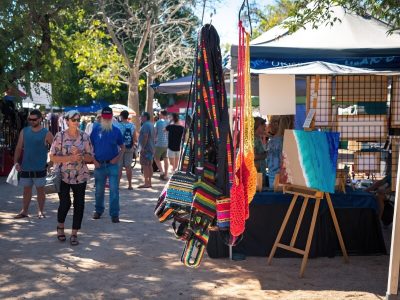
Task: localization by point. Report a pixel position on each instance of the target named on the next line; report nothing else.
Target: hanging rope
(246, 3)
(204, 8)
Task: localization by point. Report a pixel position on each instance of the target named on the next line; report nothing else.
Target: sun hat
(72, 113)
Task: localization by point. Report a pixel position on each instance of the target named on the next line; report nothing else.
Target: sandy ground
(139, 258)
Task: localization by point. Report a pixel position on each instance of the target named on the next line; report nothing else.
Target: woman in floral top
(70, 151)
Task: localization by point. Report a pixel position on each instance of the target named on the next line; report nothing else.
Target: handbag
(205, 198)
(53, 180)
(13, 177)
(180, 190)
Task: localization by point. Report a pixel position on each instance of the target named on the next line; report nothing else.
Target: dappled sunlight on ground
(140, 258)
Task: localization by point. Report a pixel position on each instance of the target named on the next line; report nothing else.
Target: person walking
(161, 143)
(146, 144)
(108, 146)
(71, 151)
(128, 131)
(175, 131)
(33, 141)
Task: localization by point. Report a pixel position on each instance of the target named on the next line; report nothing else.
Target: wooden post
(394, 264)
(231, 85)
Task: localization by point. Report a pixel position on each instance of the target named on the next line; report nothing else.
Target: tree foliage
(46, 40)
(93, 49)
(271, 15)
(96, 55)
(151, 36)
(26, 37)
(320, 12)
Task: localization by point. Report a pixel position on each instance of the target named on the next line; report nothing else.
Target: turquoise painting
(309, 159)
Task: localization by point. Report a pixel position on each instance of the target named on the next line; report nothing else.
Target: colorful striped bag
(180, 191)
(205, 197)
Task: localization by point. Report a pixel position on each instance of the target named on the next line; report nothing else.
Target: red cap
(107, 113)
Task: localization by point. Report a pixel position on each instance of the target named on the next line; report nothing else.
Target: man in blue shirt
(146, 144)
(108, 145)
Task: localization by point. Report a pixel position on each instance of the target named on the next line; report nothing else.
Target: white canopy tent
(352, 32)
(321, 68)
(355, 41)
(118, 108)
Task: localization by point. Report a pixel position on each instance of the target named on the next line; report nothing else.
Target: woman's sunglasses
(75, 120)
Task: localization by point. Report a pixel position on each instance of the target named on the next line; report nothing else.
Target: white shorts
(173, 154)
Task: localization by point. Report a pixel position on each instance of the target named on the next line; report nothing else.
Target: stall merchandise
(11, 122)
(190, 197)
(356, 211)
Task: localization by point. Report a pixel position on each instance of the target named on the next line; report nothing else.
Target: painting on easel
(309, 159)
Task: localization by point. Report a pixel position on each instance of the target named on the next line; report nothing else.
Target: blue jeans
(100, 175)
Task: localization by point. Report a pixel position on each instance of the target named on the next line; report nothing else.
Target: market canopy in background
(321, 68)
(182, 86)
(93, 107)
(118, 108)
(356, 41)
(176, 86)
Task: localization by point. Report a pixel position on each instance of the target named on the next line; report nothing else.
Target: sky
(226, 18)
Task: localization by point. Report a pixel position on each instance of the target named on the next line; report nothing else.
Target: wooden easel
(307, 193)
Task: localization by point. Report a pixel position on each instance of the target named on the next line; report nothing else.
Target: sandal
(20, 216)
(144, 186)
(60, 234)
(73, 240)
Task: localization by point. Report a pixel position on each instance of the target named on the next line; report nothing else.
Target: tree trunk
(150, 77)
(150, 94)
(133, 95)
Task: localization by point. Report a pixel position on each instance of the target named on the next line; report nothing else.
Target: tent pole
(394, 264)
(231, 82)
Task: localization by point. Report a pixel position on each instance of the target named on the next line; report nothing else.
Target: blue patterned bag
(180, 190)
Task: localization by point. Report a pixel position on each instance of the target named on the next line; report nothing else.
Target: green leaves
(271, 15)
(319, 12)
(95, 55)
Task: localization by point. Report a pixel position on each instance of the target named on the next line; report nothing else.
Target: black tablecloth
(355, 211)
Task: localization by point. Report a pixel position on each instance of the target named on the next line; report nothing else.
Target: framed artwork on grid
(367, 88)
(319, 96)
(395, 103)
(362, 128)
(367, 162)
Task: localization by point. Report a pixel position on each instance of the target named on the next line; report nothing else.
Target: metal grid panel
(357, 107)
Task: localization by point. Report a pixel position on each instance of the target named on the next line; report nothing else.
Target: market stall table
(356, 212)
